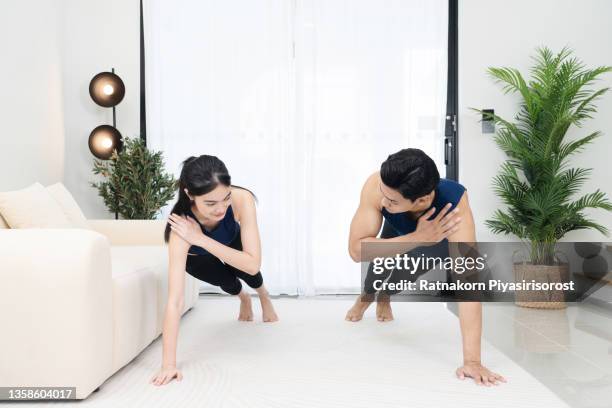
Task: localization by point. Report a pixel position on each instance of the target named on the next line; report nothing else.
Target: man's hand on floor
(480, 374)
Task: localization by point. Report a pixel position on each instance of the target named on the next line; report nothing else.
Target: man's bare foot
(246, 310)
(267, 309)
(355, 313)
(383, 310)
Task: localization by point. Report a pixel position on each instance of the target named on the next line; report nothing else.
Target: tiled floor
(568, 350)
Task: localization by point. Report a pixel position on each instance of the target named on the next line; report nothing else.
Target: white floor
(313, 358)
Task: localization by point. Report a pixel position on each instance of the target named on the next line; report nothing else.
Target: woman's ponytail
(181, 207)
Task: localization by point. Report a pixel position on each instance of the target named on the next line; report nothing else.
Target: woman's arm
(249, 259)
(177, 252)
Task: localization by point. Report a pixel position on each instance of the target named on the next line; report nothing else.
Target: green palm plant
(536, 181)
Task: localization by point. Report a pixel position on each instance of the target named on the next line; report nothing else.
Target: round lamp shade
(106, 89)
(103, 140)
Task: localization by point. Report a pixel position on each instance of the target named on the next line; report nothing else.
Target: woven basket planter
(541, 299)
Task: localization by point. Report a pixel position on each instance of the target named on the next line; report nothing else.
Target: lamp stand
(115, 126)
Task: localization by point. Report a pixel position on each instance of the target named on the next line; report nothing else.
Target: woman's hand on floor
(480, 374)
(165, 375)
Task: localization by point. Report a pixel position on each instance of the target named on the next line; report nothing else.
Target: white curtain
(302, 99)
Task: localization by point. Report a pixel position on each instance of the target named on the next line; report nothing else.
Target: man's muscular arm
(470, 313)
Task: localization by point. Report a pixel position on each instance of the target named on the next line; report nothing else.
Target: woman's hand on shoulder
(185, 227)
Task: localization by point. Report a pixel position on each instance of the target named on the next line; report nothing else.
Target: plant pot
(550, 325)
(541, 299)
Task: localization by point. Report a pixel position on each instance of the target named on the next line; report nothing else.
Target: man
(417, 206)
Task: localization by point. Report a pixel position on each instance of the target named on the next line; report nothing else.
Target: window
(302, 100)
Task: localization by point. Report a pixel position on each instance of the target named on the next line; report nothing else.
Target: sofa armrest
(131, 232)
(56, 308)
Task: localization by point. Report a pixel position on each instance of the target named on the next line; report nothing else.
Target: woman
(212, 234)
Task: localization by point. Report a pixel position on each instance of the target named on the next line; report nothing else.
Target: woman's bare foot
(383, 310)
(355, 313)
(246, 310)
(267, 309)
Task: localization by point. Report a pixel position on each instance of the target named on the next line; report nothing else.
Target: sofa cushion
(32, 207)
(68, 204)
(154, 259)
(134, 311)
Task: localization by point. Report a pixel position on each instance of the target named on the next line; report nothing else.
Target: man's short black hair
(411, 172)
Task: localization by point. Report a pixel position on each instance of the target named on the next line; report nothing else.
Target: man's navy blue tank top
(447, 191)
(225, 232)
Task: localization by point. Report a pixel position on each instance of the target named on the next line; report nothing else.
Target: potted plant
(536, 182)
(136, 184)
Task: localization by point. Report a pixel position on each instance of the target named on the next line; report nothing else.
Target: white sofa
(76, 305)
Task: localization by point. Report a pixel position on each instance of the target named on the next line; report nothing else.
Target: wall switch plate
(488, 124)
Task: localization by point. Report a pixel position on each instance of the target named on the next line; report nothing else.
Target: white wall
(97, 36)
(32, 135)
(50, 51)
(496, 33)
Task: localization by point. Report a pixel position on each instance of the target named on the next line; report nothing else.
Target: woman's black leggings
(211, 269)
